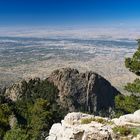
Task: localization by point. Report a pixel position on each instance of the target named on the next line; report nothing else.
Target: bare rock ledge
(72, 127)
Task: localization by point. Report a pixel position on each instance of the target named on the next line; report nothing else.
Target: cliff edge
(79, 126)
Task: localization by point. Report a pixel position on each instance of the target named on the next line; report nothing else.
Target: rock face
(88, 91)
(18, 90)
(72, 128)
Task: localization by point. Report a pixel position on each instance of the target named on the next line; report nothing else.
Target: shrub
(122, 130)
(125, 130)
(4, 119)
(133, 64)
(16, 134)
(89, 120)
(126, 104)
(135, 131)
(133, 87)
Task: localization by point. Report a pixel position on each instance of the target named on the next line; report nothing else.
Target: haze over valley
(36, 53)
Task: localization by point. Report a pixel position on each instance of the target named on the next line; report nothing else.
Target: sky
(69, 12)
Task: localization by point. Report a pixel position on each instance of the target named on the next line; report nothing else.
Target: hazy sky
(69, 12)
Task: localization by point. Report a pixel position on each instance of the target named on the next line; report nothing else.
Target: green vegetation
(122, 130)
(133, 87)
(129, 104)
(16, 134)
(35, 111)
(126, 130)
(135, 131)
(134, 63)
(126, 104)
(89, 120)
(4, 119)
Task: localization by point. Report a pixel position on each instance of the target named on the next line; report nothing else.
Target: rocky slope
(79, 126)
(68, 90)
(88, 91)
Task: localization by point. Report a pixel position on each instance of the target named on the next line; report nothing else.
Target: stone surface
(12, 121)
(16, 90)
(72, 128)
(88, 91)
(129, 119)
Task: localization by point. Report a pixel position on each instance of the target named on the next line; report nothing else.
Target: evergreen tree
(129, 104)
(133, 64)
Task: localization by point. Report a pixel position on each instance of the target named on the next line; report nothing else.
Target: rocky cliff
(79, 126)
(88, 92)
(16, 91)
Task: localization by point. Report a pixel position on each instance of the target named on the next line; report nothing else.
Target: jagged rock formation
(72, 128)
(20, 89)
(16, 91)
(88, 91)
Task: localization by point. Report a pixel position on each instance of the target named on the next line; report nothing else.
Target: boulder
(133, 119)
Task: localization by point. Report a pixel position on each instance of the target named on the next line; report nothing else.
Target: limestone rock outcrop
(71, 128)
(87, 91)
(129, 119)
(93, 128)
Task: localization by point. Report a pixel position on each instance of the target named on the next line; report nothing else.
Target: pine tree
(133, 64)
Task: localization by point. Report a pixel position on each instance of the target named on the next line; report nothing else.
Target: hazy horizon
(92, 32)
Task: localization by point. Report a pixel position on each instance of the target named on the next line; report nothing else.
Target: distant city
(25, 57)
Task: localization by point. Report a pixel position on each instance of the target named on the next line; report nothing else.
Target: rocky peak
(87, 91)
